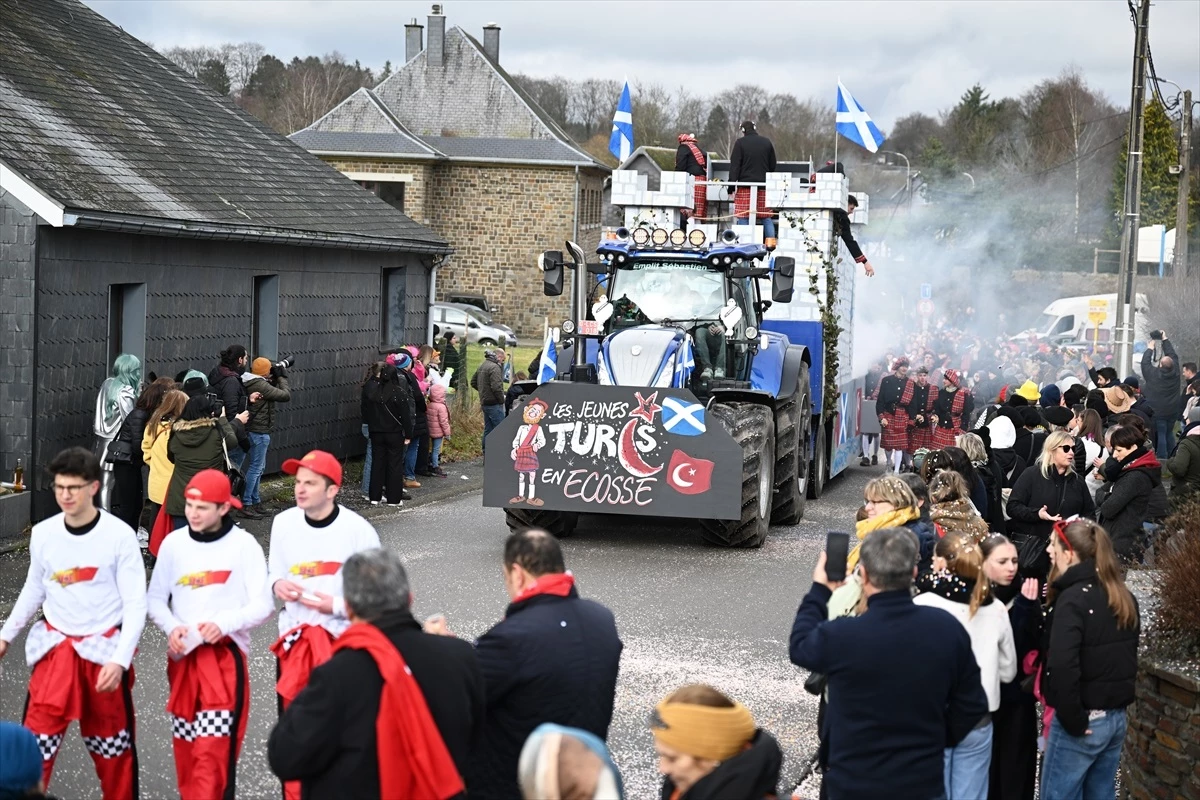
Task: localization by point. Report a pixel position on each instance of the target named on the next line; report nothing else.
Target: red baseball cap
(211, 486)
(324, 464)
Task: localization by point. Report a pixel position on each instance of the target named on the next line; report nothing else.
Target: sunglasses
(1067, 448)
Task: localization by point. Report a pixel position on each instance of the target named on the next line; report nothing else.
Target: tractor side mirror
(783, 279)
(551, 265)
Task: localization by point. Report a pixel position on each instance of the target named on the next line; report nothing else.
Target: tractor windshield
(661, 292)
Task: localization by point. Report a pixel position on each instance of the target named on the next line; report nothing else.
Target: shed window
(393, 303)
(127, 321)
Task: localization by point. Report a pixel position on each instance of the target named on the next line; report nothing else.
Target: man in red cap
(953, 405)
(309, 545)
(208, 591)
(86, 577)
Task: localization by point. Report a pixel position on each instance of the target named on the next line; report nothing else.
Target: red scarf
(413, 759)
(558, 584)
(689, 141)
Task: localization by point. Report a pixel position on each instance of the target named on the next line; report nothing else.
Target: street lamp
(907, 171)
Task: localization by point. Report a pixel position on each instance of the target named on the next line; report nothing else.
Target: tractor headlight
(678, 237)
(641, 237)
(696, 238)
(660, 237)
(751, 332)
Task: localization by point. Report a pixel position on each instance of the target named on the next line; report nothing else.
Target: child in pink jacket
(438, 417)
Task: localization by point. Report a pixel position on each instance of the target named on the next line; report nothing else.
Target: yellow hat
(261, 367)
(703, 731)
(1029, 391)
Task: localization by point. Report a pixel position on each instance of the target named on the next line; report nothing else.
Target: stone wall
(416, 191)
(1162, 745)
(18, 237)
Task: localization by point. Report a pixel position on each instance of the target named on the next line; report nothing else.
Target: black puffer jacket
(420, 425)
(1122, 506)
(130, 435)
(387, 407)
(752, 774)
(1090, 663)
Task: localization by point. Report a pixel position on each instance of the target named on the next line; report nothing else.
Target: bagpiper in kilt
(895, 393)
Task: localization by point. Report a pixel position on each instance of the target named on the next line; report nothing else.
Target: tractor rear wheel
(818, 473)
(560, 524)
(753, 427)
(792, 421)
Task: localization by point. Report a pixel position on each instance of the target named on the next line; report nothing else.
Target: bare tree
(653, 117)
(240, 62)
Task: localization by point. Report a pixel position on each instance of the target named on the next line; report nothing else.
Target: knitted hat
(1133, 381)
(951, 375)
(20, 759)
(261, 367)
(1051, 396)
(1029, 391)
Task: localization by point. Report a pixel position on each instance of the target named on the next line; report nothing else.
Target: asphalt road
(686, 612)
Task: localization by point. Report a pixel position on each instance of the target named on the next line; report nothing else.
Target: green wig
(126, 371)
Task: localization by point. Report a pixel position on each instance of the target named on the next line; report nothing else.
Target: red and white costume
(219, 578)
(91, 587)
(311, 554)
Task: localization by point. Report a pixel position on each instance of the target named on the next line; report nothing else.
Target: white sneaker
(374, 502)
(143, 537)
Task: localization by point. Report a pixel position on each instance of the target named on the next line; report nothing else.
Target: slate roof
(109, 128)
(469, 108)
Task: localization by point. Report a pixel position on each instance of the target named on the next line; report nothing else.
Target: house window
(393, 303)
(390, 192)
(127, 321)
(589, 208)
(265, 340)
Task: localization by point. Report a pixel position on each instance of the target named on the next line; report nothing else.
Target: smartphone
(837, 548)
(312, 598)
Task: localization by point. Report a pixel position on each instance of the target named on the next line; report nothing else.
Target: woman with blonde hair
(1047, 492)
(959, 586)
(952, 509)
(709, 747)
(154, 449)
(1089, 662)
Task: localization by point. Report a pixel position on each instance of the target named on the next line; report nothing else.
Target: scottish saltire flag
(548, 366)
(681, 417)
(685, 362)
(854, 123)
(620, 144)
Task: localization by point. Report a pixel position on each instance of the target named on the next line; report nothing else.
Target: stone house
(141, 212)
(452, 140)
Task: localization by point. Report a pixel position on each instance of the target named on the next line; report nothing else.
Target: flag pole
(835, 133)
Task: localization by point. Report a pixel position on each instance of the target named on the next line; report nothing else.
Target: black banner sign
(614, 450)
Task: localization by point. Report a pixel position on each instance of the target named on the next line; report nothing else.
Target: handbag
(1031, 551)
(119, 451)
(237, 481)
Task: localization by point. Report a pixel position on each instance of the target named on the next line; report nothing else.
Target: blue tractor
(670, 308)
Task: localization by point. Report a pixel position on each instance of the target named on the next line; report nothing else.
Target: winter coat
(437, 416)
(1184, 466)
(489, 382)
(752, 158)
(1089, 664)
(551, 659)
(752, 774)
(326, 738)
(889, 718)
(1029, 444)
(227, 384)
(129, 437)
(154, 454)
(1122, 505)
(959, 517)
(993, 484)
(195, 444)
(262, 413)
(450, 361)
(420, 426)
(1011, 465)
(990, 631)
(1062, 494)
(1162, 388)
(685, 161)
(927, 538)
(387, 407)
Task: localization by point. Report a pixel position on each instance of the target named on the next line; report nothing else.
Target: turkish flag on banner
(688, 475)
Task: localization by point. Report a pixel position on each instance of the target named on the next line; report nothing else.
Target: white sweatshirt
(312, 556)
(85, 583)
(223, 582)
(991, 641)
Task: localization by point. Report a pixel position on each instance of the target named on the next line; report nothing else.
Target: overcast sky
(895, 57)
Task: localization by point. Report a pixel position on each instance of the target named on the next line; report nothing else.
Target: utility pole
(1181, 212)
(1133, 191)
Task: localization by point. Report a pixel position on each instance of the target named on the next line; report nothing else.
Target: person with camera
(270, 382)
(200, 439)
(1162, 389)
(225, 380)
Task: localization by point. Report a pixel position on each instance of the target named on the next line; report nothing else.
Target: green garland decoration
(830, 321)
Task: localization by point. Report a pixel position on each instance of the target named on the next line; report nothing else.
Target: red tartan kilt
(919, 437)
(526, 461)
(700, 198)
(945, 437)
(895, 435)
(741, 203)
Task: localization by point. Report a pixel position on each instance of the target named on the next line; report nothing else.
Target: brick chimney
(491, 41)
(436, 56)
(414, 35)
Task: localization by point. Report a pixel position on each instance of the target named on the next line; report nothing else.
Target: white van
(1066, 320)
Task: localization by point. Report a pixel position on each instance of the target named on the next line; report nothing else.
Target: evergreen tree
(214, 75)
(1160, 152)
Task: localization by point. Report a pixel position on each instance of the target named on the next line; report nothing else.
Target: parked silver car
(481, 329)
